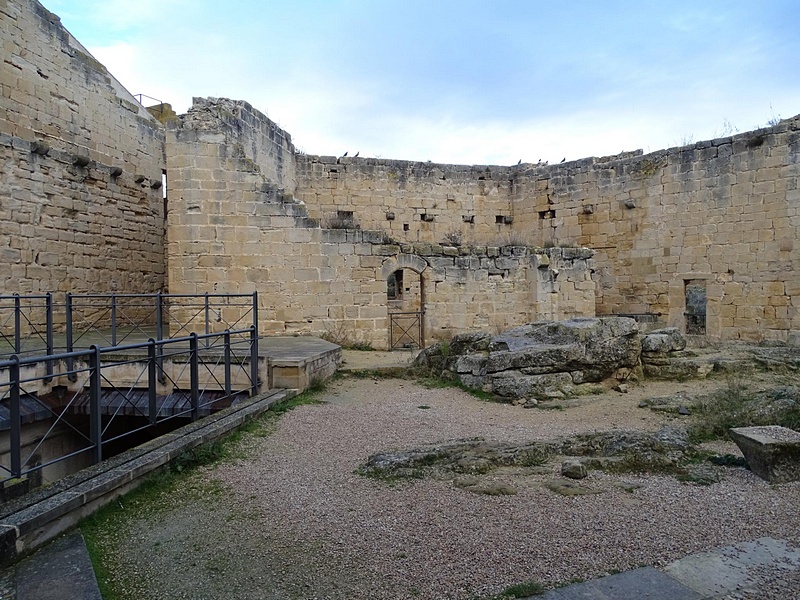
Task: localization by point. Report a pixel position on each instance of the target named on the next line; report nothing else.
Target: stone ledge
(32, 520)
(772, 452)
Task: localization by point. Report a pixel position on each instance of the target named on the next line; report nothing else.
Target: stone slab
(726, 570)
(637, 584)
(60, 570)
(772, 452)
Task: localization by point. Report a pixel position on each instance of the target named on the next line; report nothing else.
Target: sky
(462, 81)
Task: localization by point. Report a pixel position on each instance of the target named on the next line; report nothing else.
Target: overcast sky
(462, 81)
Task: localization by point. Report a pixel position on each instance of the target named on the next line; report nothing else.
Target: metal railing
(26, 324)
(36, 324)
(156, 381)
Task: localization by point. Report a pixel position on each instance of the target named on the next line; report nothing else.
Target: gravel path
(293, 520)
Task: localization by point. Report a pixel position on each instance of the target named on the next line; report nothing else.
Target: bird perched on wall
(345, 154)
(564, 159)
(520, 161)
(356, 154)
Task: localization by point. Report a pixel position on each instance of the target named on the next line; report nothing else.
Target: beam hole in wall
(547, 214)
(405, 226)
(468, 218)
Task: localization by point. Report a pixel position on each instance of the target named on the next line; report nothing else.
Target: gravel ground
(293, 520)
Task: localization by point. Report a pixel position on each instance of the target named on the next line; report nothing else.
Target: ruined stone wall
(490, 288)
(411, 201)
(68, 219)
(247, 134)
(724, 214)
(232, 229)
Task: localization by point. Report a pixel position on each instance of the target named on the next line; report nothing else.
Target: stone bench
(772, 452)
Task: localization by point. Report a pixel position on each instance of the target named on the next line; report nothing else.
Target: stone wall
(81, 162)
(69, 221)
(234, 229)
(723, 215)
(412, 201)
(720, 215)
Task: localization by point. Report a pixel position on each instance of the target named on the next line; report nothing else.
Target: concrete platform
(298, 362)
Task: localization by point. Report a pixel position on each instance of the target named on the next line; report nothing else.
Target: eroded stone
(772, 452)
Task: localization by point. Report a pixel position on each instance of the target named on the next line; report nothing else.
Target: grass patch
(520, 590)
(309, 397)
(360, 346)
(737, 405)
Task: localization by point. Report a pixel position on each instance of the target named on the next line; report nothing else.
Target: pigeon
(564, 159)
(345, 154)
(356, 154)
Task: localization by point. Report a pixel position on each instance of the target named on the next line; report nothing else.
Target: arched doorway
(405, 301)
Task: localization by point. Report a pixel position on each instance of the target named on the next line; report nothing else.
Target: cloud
(522, 86)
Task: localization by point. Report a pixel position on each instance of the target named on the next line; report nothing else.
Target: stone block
(772, 452)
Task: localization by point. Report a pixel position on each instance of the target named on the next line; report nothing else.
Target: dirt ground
(291, 518)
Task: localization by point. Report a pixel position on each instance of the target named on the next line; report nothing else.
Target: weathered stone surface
(513, 384)
(474, 364)
(542, 359)
(493, 488)
(772, 452)
(545, 356)
(664, 448)
(565, 487)
(574, 469)
(669, 339)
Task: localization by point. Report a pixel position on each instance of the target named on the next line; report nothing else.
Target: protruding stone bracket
(403, 261)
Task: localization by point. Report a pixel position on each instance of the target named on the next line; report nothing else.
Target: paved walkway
(728, 573)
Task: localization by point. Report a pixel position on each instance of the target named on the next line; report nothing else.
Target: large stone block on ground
(602, 345)
(513, 384)
(772, 452)
(662, 341)
(539, 359)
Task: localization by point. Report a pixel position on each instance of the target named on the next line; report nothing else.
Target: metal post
(208, 317)
(194, 374)
(95, 416)
(160, 336)
(159, 317)
(255, 311)
(17, 323)
(253, 361)
(70, 361)
(151, 381)
(49, 336)
(16, 422)
(113, 319)
(227, 362)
